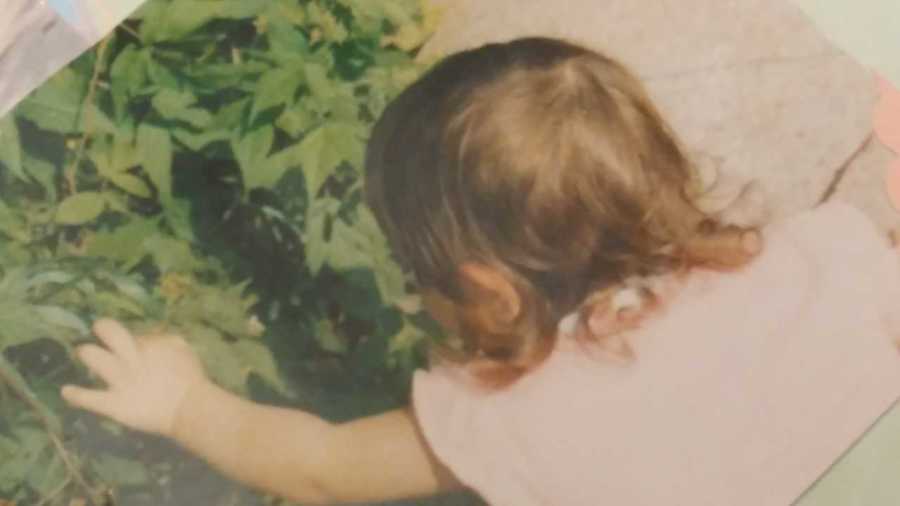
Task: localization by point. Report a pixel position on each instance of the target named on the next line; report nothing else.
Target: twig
(29, 400)
(129, 30)
(58, 490)
(73, 471)
(71, 178)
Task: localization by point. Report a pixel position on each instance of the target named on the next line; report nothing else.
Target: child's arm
(157, 385)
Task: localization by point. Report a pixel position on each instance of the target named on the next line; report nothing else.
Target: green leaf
(47, 476)
(212, 78)
(129, 287)
(348, 248)
(14, 284)
(116, 202)
(180, 19)
(114, 156)
(62, 319)
(161, 74)
(241, 9)
(258, 359)
(276, 88)
(13, 224)
(123, 244)
(332, 29)
(155, 148)
(56, 106)
(319, 153)
(218, 357)
(153, 17)
(389, 277)
(296, 119)
(131, 184)
(19, 383)
(10, 147)
(367, 14)
(20, 455)
(177, 105)
(287, 44)
(319, 215)
(44, 173)
(177, 212)
(317, 81)
(170, 103)
(50, 278)
(80, 208)
(116, 306)
(402, 345)
(196, 142)
(409, 35)
(128, 74)
(224, 309)
(286, 10)
(119, 471)
(98, 120)
(176, 20)
(252, 151)
(172, 255)
(230, 115)
(328, 339)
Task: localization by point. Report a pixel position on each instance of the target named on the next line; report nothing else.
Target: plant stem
(129, 30)
(58, 490)
(87, 111)
(29, 400)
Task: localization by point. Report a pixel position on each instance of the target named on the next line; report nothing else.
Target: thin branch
(73, 470)
(38, 410)
(87, 110)
(58, 490)
(129, 30)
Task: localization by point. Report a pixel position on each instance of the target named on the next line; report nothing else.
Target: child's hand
(147, 379)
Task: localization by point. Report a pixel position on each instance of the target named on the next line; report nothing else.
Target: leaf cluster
(199, 171)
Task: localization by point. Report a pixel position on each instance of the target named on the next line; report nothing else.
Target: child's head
(517, 181)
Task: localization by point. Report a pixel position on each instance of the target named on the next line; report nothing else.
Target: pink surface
(887, 129)
(745, 390)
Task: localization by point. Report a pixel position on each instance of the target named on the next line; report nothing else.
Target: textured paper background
(97, 16)
(752, 86)
(762, 89)
(867, 29)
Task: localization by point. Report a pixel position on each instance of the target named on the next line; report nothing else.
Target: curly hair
(548, 163)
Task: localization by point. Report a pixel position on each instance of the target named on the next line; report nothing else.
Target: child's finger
(95, 401)
(101, 362)
(118, 338)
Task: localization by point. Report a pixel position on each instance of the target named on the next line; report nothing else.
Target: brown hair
(547, 162)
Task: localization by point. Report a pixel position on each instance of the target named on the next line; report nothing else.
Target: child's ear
(488, 286)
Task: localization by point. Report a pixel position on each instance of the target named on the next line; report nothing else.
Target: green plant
(199, 171)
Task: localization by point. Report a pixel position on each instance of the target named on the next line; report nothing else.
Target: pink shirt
(745, 389)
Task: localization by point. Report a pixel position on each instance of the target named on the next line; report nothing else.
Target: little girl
(615, 344)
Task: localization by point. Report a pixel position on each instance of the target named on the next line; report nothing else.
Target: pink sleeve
(465, 429)
(844, 239)
(446, 415)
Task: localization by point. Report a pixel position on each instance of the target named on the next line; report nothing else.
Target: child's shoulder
(835, 232)
(830, 218)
